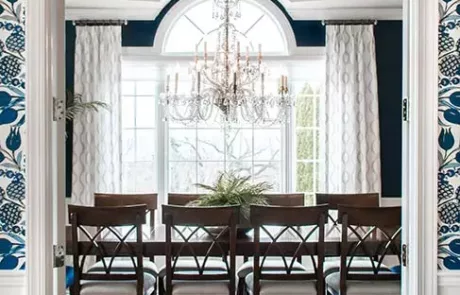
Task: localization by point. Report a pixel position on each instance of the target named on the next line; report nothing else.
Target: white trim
(297, 13)
(76, 13)
(180, 7)
(421, 205)
(345, 13)
(390, 202)
(448, 282)
(38, 146)
(13, 282)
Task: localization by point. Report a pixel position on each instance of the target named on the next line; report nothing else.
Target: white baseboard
(390, 202)
(12, 282)
(448, 282)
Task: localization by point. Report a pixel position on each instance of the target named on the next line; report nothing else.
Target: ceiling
(298, 9)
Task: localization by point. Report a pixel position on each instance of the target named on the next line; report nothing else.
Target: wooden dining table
(154, 243)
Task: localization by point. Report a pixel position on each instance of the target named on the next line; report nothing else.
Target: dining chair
(332, 264)
(113, 200)
(218, 225)
(88, 220)
(187, 262)
(109, 200)
(303, 227)
(274, 199)
(378, 235)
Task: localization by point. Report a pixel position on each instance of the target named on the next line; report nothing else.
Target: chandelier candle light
(227, 89)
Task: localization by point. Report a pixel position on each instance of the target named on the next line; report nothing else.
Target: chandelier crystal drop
(227, 88)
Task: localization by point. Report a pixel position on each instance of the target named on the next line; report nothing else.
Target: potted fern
(233, 189)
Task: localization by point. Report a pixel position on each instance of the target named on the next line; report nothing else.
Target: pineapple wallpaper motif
(12, 133)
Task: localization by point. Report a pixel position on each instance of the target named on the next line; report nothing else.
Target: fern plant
(75, 106)
(233, 189)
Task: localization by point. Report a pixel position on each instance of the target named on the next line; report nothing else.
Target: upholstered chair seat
(281, 287)
(123, 265)
(366, 287)
(117, 287)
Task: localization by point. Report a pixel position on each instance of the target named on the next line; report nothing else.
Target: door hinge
(404, 259)
(405, 109)
(58, 256)
(58, 109)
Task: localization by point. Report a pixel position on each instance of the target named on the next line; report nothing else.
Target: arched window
(170, 157)
(255, 26)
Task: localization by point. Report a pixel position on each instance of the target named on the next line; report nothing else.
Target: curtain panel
(349, 119)
(96, 135)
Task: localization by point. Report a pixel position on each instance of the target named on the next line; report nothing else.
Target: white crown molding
(298, 10)
(301, 13)
(76, 13)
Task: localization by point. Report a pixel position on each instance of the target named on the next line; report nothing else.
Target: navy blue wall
(388, 39)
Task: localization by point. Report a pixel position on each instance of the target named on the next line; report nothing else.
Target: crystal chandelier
(228, 88)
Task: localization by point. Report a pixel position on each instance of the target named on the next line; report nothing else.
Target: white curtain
(350, 118)
(96, 136)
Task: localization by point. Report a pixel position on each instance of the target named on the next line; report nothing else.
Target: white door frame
(45, 55)
(420, 189)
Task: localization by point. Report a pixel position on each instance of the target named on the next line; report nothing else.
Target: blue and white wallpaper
(12, 133)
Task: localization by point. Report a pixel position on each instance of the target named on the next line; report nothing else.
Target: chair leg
(161, 286)
(240, 289)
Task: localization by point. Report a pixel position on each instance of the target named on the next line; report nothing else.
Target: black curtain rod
(100, 22)
(350, 22)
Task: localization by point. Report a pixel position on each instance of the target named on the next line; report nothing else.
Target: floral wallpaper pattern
(12, 133)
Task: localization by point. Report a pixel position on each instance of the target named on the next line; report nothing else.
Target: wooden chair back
(300, 223)
(181, 199)
(85, 220)
(111, 200)
(368, 232)
(216, 223)
(291, 199)
(334, 200)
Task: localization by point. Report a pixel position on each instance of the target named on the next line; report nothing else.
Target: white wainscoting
(390, 202)
(12, 283)
(448, 282)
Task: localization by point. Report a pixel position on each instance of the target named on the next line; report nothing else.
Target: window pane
(128, 177)
(241, 168)
(211, 145)
(182, 145)
(182, 177)
(269, 172)
(127, 88)
(145, 145)
(305, 112)
(145, 177)
(305, 177)
(239, 144)
(305, 144)
(310, 200)
(127, 114)
(145, 112)
(128, 146)
(208, 172)
(145, 88)
(267, 144)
